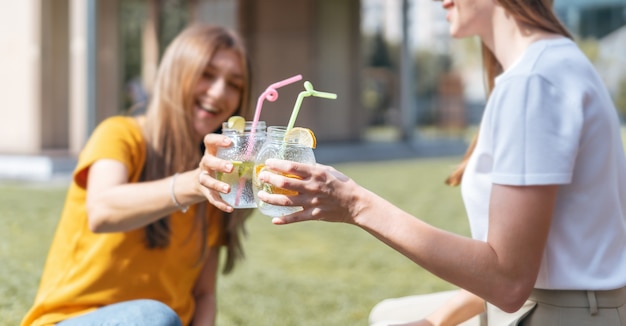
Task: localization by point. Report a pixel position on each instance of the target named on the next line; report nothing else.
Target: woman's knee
(155, 313)
(142, 312)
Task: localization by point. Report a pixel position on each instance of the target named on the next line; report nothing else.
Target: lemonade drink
(278, 147)
(286, 143)
(241, 153)
(270, 189)
(241, 171)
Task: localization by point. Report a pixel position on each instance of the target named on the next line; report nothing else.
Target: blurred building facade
(68, 64)
(592, 18)
(62, 63)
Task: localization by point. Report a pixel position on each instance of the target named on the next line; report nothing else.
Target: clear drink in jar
(242, 154)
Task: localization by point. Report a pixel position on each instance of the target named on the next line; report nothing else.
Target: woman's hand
(209, 165)
(324, 193)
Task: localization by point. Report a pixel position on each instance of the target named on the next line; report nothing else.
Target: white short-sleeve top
(551, 121)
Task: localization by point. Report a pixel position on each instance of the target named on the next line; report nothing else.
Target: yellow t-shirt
(85, 271)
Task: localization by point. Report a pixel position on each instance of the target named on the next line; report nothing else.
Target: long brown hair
(535, 13)
(169, 129)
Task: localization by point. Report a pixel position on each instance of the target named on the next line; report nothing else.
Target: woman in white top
(544, 184)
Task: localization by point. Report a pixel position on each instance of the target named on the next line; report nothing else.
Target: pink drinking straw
(271, 94)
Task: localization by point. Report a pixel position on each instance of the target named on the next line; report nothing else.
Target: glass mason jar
(277, 147)
(241, 153)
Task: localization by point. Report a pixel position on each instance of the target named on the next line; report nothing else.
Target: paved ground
(36, 168)
(59, 169)
(379, 151)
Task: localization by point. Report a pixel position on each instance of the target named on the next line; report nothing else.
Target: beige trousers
(606, 308)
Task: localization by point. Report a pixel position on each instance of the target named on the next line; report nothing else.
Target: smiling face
(469, 17)
(219, 91)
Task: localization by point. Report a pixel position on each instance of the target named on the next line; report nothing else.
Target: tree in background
(429, 68)
(146, 28)
(378, 88)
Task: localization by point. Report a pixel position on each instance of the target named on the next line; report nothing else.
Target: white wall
(20, 83)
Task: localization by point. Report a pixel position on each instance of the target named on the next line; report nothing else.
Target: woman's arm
(115, 205)
(502, 270)
(205, 291)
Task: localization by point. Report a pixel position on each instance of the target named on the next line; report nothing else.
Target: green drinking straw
(309, 91)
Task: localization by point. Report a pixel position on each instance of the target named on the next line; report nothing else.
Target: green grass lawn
(28, 217)
(305, 274)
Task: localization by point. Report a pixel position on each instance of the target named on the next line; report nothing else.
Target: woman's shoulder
(552, 58)
(125, 126)
(118, 138)
(120, 121)
(557, 62)
(114, 133)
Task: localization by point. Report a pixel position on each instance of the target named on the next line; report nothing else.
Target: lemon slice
(301, 136)
(237, 122)
(273, 189)
(244, 169)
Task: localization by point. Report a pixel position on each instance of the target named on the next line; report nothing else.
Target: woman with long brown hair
(137, 242)
(544, 185)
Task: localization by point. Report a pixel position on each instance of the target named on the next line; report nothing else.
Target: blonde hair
(535, 13)
(169, 129)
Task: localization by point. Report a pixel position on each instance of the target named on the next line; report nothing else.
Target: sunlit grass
(329, 274)
(28, 216)
(311, 273)
(307, 274)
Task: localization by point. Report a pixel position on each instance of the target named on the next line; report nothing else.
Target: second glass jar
(277, 147)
